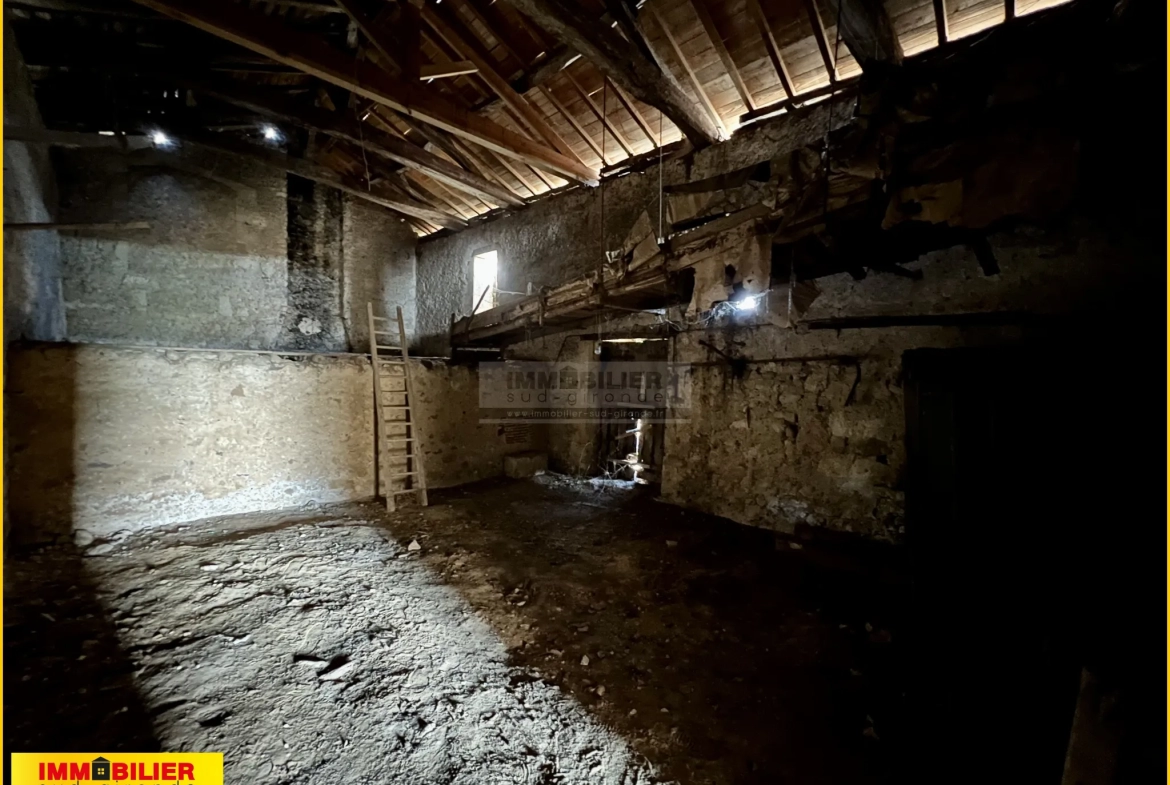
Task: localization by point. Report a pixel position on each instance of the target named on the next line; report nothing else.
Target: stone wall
(111, 439)
(813, 429)
(237, 255)
(563, 237)
(32, 260)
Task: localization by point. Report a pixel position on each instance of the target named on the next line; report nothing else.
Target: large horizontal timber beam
(314, 56)
(869, 34)
(634, 68)
(366, 137)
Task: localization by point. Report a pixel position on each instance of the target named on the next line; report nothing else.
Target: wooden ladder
(397, 431)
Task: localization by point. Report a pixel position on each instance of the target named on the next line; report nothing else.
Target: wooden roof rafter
(573, 121)
(313, 56)
(828, 52)
(764, 25)
(601, 113)
(713, 34)
(692, 79)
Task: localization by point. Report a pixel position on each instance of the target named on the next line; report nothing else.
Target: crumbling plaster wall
(237, 255)
(563, 237)
(111, 439)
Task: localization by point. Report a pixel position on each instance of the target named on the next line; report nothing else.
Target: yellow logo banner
(183, 768)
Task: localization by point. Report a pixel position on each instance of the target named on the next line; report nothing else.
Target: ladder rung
(388, 406)
(383, 318)
(385, 332)
(407, 490)
(390, 362)
(401, 474)
(401, 440)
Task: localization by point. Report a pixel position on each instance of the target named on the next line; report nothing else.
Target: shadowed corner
(69, 685)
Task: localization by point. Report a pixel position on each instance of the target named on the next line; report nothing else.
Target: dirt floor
(541, 631)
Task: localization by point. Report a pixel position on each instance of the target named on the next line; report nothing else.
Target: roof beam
(869, 34)
(447, 28)
(599, 113)
(620, 59)
(310, 54)
(941, 25)
(765, 28)
(589, 140)
(712, 31)
(446, 70)
(828, 56)
(352, 131)
(690, 72)
(635, 113)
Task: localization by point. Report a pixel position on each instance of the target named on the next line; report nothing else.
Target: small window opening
(484, 269)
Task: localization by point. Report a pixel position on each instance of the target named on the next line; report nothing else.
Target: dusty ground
(513, 632)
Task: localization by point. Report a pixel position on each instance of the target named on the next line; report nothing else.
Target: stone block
(525, 464)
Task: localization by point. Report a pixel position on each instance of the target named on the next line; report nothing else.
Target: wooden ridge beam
(316, 57)
(368, 138)
(643, 77)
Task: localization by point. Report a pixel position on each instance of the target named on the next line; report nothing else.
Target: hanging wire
(827, 154)
(661, 234)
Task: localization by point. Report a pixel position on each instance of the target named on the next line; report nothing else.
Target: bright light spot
(484, 272)
(160, 139)
(105, 133)
(748, 303)
(271, 133)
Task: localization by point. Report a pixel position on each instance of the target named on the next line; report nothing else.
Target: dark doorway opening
(1023, 576)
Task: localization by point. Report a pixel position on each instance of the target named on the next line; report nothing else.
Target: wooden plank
(635, 113)
(828, 56)
(597, 111)
(449, 30)
(712, 31)
(694, 80)
(574, 122)
(447, 70)
(644, 77)
(941, 24)
(316, 57)
(765, 27)
(368, 138)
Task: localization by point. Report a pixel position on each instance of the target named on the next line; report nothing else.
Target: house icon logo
(100, 769)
